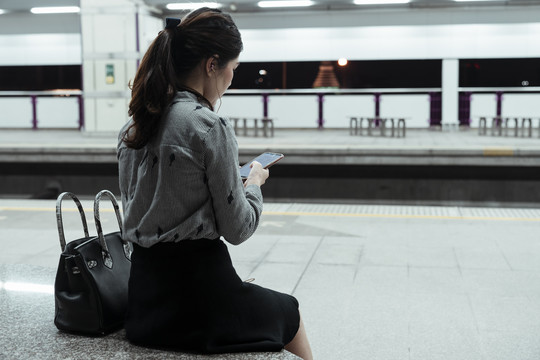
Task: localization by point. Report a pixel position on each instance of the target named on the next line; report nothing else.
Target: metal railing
(35, 96)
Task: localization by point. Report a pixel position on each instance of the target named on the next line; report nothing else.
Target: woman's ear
(211, 65)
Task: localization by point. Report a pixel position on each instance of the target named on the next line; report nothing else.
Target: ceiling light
(380, 2)
(2, 11)
(55, 10)
(284, 3)
(192, 5)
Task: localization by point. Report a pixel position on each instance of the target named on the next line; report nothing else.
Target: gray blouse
(185, 183)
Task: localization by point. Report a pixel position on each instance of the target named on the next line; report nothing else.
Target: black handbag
(91, 283)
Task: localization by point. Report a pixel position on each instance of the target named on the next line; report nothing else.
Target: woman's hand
(257, 175)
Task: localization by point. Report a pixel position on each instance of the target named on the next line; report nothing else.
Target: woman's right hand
(257, 175)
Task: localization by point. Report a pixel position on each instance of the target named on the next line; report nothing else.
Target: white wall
(110, 40)
(295, 111)
(393, 42)
(450, 94)
(513, 105)
(51, 112)
(339, 108)
(149, 27)
(16, 112)
(414, 108)
(482, 105)
(385, 38)
(521, 105)
(301, 111)
(58, 112)
(28, 39)
(40, 49)
(56, 39)
(241, 106)
(468, 14)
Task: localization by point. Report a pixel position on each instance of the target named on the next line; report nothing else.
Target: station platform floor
(300, 146)
(373, 282)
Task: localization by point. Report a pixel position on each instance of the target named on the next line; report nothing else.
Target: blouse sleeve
(237, 209)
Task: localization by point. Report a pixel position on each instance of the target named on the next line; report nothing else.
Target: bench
(27, 329)
(266, 122)
(356, 125)
(501, 125)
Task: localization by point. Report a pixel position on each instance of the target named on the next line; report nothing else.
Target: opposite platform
(325, 147)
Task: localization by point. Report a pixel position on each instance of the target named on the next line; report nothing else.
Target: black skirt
(187, 296)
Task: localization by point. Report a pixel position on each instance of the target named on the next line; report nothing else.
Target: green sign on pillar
(109, 73)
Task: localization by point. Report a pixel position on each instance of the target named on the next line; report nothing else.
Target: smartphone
(266, 159)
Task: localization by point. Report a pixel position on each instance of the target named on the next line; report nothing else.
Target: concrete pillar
(111, 49)
(450, 91)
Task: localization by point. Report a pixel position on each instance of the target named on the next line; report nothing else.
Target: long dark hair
(174, 53)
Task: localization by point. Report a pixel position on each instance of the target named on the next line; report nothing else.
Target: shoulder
(186, 111)
(122, 134)
(198, 114)
(189, 122)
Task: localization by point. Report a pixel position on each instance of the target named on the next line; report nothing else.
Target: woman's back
(184, 184)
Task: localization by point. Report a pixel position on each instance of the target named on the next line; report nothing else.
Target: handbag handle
(60, 222)
(105, 249)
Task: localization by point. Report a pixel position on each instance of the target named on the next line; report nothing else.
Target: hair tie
(171, 23)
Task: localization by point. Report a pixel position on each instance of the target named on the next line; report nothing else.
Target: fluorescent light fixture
(380, 2)
(193, 5)
(284, 3)
(55, 10)
(27, 287)
(2, 11)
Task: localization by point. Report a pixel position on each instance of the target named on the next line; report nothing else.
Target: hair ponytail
(175, 52)
(152, 90)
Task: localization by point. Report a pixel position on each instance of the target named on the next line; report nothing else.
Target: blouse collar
(187, 93)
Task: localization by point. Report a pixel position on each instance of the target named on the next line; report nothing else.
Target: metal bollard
(516, 126)
(370, 125)
(235, 125)
(391, 120)
(496, 126)
(529, 122)
(352, 120)
(265, 122)
(401, 123)
(245, 127)
(482, 126)
(360, 125)
(382, 124)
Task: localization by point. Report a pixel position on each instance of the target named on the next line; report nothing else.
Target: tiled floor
(373, 282)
